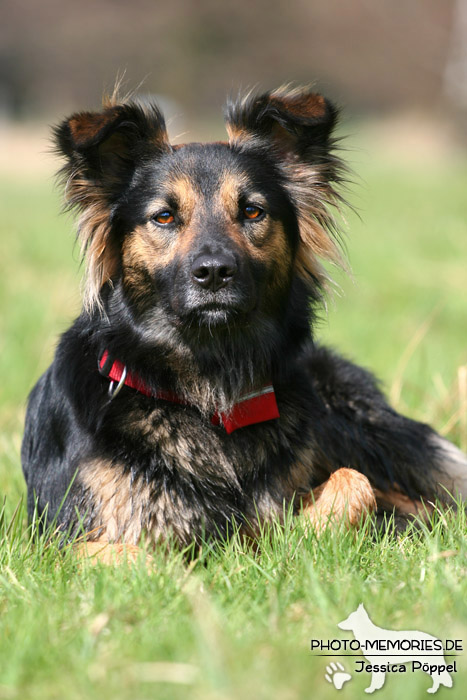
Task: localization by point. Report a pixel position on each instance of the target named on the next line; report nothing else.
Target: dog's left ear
(293, 129)
(295, 123)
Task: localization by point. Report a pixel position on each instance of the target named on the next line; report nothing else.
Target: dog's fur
(203, 277)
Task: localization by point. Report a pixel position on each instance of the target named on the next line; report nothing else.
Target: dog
(191, 394)
(369, 636)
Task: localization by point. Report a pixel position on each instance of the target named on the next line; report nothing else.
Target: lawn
(237, 622)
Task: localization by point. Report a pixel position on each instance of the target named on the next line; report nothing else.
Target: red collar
(255, 407)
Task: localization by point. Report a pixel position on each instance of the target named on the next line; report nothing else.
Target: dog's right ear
(104, 147)
(102, 150)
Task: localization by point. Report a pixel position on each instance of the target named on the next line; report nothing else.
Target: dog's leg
(346, 496)
(438, 679)
(357, 427)
(403, 506)
(453, 469)
(377, 681)
(435, 685)
(104, 552)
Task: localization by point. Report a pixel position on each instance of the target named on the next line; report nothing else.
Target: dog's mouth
(194, 312)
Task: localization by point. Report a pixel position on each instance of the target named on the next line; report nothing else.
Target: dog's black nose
(214, 271)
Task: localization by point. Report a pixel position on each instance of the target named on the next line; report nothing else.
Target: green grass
(237, 622)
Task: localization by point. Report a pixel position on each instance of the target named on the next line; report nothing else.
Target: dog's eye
(252, 212)
(164, 217)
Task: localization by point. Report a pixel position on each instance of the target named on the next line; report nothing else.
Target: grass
(237, 622)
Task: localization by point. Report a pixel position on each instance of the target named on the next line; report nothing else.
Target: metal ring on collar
(113, 392)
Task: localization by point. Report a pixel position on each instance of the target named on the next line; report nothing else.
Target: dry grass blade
(420, 333)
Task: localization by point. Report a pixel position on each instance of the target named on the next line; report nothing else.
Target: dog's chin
(212, 317)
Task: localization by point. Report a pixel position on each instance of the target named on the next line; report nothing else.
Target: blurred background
(375, 59)
(399, 71)
(378, 57)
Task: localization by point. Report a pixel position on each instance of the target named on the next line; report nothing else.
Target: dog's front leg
(347, 496)
(377, 681)
(104, 552)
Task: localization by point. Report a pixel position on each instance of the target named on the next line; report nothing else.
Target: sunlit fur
(91, 194)
(313, 181)
(208, 308)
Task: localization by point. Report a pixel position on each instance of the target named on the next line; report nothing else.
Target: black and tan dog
(190, 392)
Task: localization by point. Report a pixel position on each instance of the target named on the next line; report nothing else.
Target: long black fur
(181, 473)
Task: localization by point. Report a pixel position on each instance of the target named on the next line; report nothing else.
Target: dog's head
(357, 621)
(212, 235)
